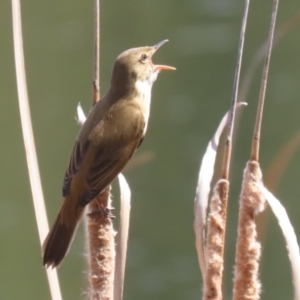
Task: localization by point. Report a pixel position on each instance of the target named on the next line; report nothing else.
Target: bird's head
(135, 65)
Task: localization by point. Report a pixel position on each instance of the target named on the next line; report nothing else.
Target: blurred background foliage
(187, 106)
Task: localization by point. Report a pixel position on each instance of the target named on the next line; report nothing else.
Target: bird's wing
(112, 156)
(101, 174)
(76, 159)
(82, 143)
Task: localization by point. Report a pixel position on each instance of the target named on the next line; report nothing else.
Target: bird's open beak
(161, 67)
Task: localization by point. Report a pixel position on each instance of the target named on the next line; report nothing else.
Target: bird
(113, 130)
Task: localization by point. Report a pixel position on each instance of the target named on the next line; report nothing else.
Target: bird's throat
(143, 88)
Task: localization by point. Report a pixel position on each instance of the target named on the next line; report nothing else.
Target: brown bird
(112, 132)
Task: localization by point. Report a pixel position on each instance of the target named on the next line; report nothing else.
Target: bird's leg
(103, 211)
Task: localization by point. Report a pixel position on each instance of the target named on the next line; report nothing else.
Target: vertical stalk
(31, 157)
(218, 208)
(96, 75)
(231, 116)
(262, 93)
(100, 231)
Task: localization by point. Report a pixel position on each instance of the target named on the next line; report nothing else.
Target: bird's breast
(122, 123)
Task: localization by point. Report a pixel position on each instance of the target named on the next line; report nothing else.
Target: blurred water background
(186, 108)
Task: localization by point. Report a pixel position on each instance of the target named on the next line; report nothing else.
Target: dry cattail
(246, 282)
(101, 257)
(215, 244)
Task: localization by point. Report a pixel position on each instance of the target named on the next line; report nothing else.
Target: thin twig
(32, 164)
(262, 93)
(96, 76)
(281, 32)
(231, 116)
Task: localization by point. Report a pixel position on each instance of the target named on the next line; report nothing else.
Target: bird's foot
(103, 211)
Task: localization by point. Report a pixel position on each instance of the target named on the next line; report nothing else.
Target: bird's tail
(60, 236)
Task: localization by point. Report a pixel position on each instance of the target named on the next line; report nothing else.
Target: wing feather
(110, 142)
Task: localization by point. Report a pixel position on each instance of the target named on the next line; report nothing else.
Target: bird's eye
(144, 58)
